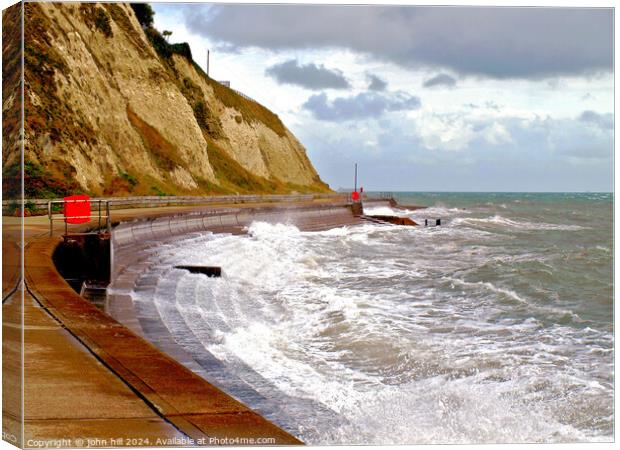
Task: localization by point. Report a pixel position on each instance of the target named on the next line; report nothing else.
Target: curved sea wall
(138, 269)
(118, 344)
(228, 220)
(131, 243)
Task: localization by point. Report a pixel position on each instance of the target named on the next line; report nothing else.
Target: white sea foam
(383, 211)
(507, 292)
(498, 220)
(381, 331)
(436, 211)
(440, 211)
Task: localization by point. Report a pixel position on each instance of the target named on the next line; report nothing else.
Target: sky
(423, 98)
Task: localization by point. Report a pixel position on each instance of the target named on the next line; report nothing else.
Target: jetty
(84, 372)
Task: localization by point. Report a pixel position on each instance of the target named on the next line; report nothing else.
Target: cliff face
(112, 109)
(11, 99)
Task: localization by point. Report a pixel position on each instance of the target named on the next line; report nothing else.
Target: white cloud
(497, 134)
(444, 132)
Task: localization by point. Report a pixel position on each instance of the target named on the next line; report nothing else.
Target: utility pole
(207, 62)
(355, 177)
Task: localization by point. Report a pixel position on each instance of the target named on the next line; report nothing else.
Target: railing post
(107, 217)
(49, 215)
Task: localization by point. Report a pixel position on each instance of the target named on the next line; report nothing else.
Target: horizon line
(482, 192)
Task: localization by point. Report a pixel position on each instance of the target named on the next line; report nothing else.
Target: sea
(495, 327)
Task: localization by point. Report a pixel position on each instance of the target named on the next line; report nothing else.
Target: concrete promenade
(90, 381)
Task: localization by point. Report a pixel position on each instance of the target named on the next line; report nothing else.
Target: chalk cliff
(111, 108)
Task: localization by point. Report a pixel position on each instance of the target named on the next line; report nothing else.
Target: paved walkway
(68, 394)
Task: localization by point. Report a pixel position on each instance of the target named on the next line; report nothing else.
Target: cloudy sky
(424, 98)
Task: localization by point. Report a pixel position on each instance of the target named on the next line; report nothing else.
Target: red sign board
(355, 196)
(77, 209)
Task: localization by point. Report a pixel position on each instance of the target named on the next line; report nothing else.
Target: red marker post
(355, 196)
(77, 209)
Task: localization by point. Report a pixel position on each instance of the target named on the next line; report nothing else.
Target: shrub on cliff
(159, 43)
(96, 18)
(164, 49)
(144, 14)
(38, 181)
(183, 49)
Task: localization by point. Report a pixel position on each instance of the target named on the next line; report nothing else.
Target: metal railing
(384, 195)
(247, 97)
(104, 205)
(40, 205)
(99, 216)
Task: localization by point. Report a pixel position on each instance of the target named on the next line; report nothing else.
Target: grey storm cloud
(376, 83)
(441, 80)
(361, 106)
(507, 42)
(605, 121)
(310, 76)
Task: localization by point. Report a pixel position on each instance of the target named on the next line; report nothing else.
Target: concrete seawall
(137, 270)
(90, 377)
(230, 219)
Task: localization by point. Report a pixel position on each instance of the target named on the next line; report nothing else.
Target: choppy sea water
(495, 327)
